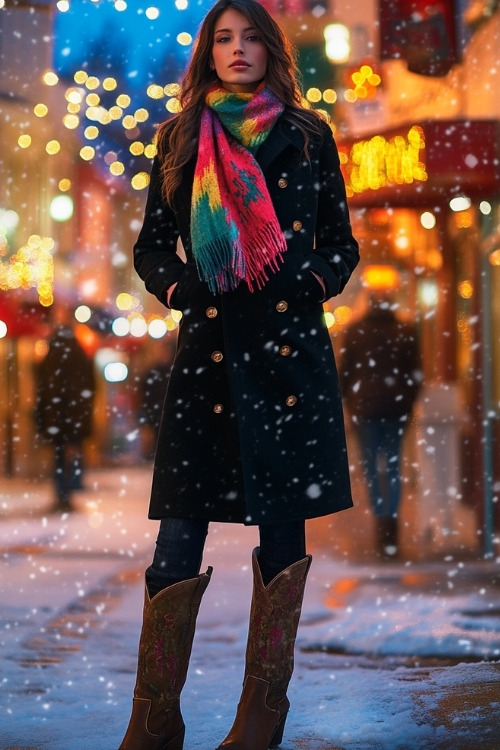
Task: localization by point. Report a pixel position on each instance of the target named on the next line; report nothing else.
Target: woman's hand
(170, 291)
(320, 281)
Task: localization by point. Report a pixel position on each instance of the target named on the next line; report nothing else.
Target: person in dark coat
(64, 408)
(252, 428)
(380, 378)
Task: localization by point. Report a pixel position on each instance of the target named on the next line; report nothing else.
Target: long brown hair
(177, 140)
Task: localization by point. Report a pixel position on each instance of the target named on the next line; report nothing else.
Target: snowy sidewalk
(398, 656)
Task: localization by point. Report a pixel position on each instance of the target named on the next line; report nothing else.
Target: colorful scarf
(234, 230)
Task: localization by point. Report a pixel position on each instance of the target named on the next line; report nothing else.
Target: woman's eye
(222, 39)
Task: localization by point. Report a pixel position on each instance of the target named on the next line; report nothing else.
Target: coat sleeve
(155, 252)
(336, 252)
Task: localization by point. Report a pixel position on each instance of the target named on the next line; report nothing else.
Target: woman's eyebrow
(249, 28)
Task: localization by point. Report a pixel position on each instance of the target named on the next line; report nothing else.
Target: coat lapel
(281, 136)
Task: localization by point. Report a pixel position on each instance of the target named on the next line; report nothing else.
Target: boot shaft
(274, 619)
(168, 627)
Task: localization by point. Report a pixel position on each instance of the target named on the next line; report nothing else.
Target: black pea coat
(252, 427)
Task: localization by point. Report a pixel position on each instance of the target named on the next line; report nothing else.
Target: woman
(252, 428)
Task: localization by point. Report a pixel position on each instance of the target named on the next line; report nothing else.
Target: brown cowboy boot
(274, 618)
(164, 649)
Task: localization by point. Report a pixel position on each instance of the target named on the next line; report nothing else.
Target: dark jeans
(380, 442)
(180, 544)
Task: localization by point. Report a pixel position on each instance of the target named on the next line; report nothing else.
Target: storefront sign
(428, 161)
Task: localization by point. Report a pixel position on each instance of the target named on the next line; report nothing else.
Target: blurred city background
(413, 92)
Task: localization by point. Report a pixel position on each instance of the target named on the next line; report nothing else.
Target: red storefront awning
(426, 163)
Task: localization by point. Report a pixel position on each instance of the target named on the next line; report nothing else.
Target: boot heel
(177, 743)
(277, 737)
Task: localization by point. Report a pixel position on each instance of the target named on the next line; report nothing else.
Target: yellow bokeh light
(117, 168)
(494, 257)
(136, 148)
(140, 181)
(375, 163)
(154, 91)
(73, 108)
(125, 301)
(115, 112)
(87, 153)
(40, 109)
(104, 117)
(150, 151)
(80, 76)
(50, 78)
(465, 289)
(92, 83)
(129, 122)
(64, 185)
(330, 96)
(93, 100)
(91, 132)
(313, 95)
(31, 267)
(74, 96)
(123, 100)
(24, 141)
(109, 84)
(71, 121)
(141, 115)
(53, 147)
(172, 89)
(184, 38)
(173, 105)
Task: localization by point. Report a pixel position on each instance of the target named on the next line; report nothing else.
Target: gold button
(297, 226)
(291, 400)
(218, 408)
(211, 312)
(282, 183)
(282, 306)
(285, 350)
(217, 356)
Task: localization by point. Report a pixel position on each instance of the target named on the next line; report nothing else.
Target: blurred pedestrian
(380, 377)
(252, 429)
(64, 407)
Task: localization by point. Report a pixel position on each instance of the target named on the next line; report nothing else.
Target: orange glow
(337, 593)
(87, 338)
(378, 277)
(494, 257)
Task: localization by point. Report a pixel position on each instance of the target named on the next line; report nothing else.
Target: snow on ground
(384, 657)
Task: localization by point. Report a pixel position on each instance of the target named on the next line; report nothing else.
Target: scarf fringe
(223, 264)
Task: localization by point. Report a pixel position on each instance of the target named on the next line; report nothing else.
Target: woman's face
(238, 54)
